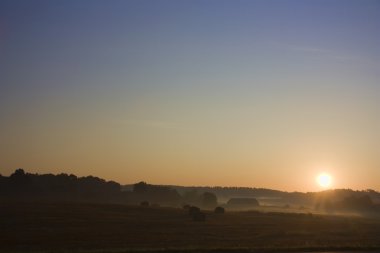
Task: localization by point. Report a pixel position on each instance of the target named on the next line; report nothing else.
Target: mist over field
(196, 126)
(86, 214)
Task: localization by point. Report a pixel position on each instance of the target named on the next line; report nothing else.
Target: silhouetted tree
(140, 187)
(193, 210)
(156, 193)
(219, 210)
(20, 181)
(209, 200)
(192, 197)
(3, 184)
(59, 187)
(196, 214)
(19, 173)
(362, 203)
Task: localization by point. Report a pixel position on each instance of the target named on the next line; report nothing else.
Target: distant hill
(23, 186)
(273, 197)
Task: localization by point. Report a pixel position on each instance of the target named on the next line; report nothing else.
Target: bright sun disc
(324, 180)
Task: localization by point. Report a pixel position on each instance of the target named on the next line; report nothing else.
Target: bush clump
(193, 210)
(219, 210)
(196, 214)
(144, 203)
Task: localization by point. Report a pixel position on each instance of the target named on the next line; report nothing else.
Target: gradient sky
(232, 93)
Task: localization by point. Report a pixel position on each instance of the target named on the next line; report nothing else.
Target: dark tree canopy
(57, 187)
(219, 210)
(209, 200)
(156, 193)
(140, 187)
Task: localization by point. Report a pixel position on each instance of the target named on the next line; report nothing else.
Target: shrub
(196, 214)
(194, 210)
(219, 210)
(144, 203)
(209, 200)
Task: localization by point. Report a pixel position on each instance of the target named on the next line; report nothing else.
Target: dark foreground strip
(214, 250)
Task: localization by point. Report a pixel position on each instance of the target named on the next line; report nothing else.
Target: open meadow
(73, 227)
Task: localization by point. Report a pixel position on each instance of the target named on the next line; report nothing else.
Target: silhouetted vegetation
(196, 214)
(271, 197)
(206, 200)
(219, 210)
(348, 201)
(24, 186)
(64, 187)
(157, 194)
(326, 201)
(193, 210)
(209, 200)
(27, 186)
(361, 203)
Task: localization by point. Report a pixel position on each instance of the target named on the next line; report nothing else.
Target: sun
(324, 180)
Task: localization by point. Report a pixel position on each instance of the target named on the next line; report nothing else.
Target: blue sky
(165, 90)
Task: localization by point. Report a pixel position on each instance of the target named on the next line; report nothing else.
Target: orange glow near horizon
(265, 94)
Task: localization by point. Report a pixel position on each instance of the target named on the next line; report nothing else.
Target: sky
(264, 93)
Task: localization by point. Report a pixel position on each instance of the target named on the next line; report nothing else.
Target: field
(69, 227)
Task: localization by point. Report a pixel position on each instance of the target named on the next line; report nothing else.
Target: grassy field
(44, 227)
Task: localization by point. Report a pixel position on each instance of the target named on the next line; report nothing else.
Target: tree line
(21, 185)
(24, 186)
